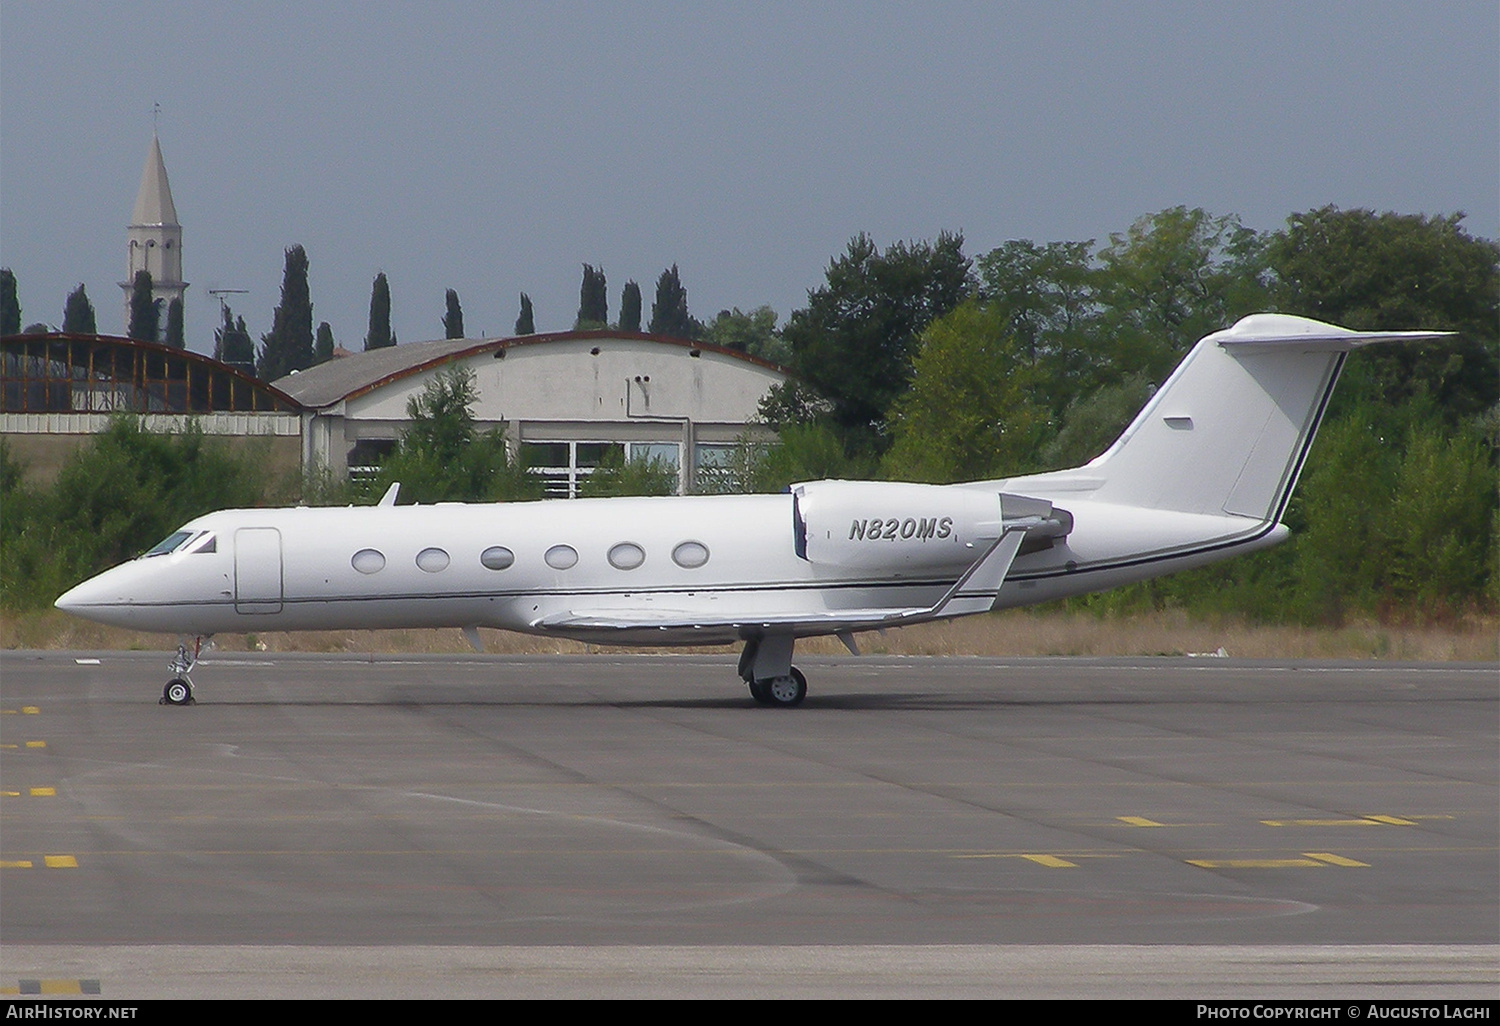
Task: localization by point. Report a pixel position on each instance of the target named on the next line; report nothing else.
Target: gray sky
(495, 147)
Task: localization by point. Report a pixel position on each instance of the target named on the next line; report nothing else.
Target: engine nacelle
(864, 525)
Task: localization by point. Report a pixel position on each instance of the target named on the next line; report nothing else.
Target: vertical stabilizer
(1229, 430)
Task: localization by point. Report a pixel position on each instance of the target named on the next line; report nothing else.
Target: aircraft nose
(79, 598)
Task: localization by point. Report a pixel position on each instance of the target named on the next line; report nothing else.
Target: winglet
(389, 498)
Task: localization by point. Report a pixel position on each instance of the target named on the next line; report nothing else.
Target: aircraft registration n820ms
(1202, 473)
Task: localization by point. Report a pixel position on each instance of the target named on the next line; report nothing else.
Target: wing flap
(974, 592)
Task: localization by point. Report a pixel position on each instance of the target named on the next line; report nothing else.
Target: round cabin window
(626, 556)
(432, 560)
(561, 557)
(368, 561)
(690, 555)
(497, 557)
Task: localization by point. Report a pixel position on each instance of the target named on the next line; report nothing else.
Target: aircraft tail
(1230, 429)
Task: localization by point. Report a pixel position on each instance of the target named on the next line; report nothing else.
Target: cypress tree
(669, 314)
(593, 300)
(525, 322)
(323, 347)
(288, 346)
(380, 315)
(145, 315)
(78, 313)
(175, 330)
(630, 307)
(10, 304)
(453, 320)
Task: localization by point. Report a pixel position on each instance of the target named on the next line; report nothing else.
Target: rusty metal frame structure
(73, 373)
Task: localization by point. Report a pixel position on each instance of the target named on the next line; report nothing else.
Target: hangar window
(690, 555)
(563, 466)
(561, 557)
(497, 557)
(626, 556)
(432, 560)
(368, 561)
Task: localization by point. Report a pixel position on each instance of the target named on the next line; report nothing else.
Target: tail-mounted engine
(862, 525)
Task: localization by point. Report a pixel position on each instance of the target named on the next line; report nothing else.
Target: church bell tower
(154, 238)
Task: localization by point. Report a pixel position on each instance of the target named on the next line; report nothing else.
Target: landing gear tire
(786, 692)
(179, 691)
(760, 690)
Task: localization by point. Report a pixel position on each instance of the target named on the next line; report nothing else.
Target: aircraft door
(257, 570)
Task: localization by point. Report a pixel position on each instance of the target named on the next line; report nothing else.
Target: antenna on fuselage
(389, 498)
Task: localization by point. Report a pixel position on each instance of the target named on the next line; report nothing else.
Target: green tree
(116, 496)
(801, 452)
(233, 344)
(453, 320)
(1048, 295)
(630, 307)
(379, 336)
(1172, 278)
(753, 333)
(78, 313)
(1440, 518)
(593, 300)
(669, 313)
(1392, 271)
(10, 303)
(176, 332)
(617, 476)
(323, 345)
(144, 313)
(525, 320)
(1091, 422)
(288, 346)
(443, 457)
(969, 413)
(853, 344)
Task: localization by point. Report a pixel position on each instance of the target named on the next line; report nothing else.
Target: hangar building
(565, 400)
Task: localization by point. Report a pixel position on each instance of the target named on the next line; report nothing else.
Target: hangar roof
(351, 376)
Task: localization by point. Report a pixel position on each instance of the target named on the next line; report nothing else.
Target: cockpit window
(170, 543)
(205, 542)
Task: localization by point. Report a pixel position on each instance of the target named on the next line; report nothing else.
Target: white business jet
(1204, 472)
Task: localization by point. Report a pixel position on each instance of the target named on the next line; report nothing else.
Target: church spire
(153, 203)
(154, 237)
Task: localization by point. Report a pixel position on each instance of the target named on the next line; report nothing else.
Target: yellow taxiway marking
(36, 744)
(1140, 821)
(42, 987)
(16, 864)
(1309, 860)
(1335, 860)
(43, 792)
(1050, 861)
(1361, 821)
(1254, 863)
(29, 710)
(10, 794)
(60, 861)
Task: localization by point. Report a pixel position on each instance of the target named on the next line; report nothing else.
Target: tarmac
(354, 826)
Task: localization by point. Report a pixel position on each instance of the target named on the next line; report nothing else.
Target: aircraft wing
(975, 591)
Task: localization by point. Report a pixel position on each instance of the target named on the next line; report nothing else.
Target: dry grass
(1017, 633)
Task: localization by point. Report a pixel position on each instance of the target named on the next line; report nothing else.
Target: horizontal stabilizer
(1270, 332)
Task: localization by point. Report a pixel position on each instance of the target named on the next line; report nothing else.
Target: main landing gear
(766, 665)
(179, 690)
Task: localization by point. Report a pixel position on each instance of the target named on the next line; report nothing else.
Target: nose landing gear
(179, 690)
